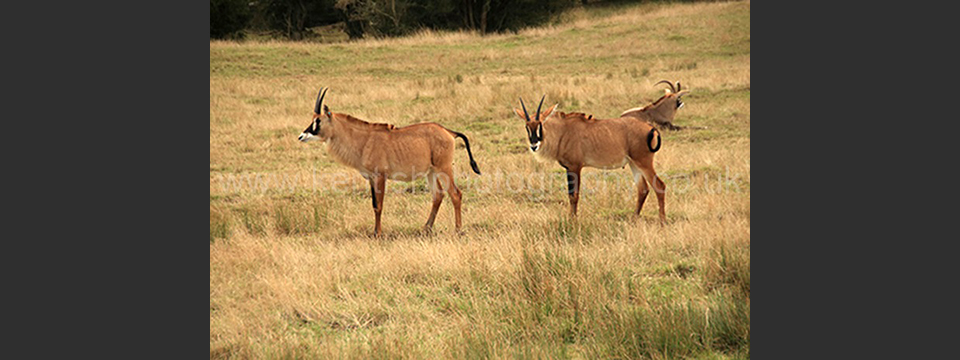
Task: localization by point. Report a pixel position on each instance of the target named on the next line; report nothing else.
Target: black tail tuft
(650, 139)
(473, 164)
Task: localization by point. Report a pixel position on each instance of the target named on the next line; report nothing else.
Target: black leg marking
(571, 183)
(373, 195)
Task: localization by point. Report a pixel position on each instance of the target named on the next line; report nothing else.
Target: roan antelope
(662, 111)
(576, 141)
(381, 151)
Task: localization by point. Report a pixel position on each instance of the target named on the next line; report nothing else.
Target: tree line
(292, 19)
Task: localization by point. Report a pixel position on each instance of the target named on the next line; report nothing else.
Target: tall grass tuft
(253, 220)
(564, 230)
(676, 329)
(727, 263)
(293, 219)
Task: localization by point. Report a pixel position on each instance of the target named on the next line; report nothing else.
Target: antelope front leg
(377, 187)
(573, 189)
(671, 126)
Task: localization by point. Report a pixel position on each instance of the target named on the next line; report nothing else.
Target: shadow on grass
(388, 234)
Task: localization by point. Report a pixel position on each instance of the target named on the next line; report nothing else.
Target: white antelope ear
(682, 93)
(666, 91)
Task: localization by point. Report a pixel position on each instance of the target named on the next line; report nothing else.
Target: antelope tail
(473, 164)
(651, 142)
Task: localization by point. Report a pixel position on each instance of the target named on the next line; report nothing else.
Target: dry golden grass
(295, 271)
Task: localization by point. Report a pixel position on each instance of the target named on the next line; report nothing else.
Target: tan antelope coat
(382, 151)
(662, 111)
(576, 141)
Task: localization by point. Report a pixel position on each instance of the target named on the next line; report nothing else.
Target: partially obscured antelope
(576, 141)
(381, 151)
(662, 111)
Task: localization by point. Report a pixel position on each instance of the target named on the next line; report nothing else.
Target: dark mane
(646, 107)
(580, 115)
(658, 101)
(355, 121)
(655, 103)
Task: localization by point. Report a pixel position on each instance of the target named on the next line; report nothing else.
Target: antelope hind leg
(437, 191)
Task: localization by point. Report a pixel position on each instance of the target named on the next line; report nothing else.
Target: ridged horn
(320, 96)
(524, 109)
(540, 106)
(672, 89)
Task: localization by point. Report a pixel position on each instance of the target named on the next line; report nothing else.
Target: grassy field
(296, 273)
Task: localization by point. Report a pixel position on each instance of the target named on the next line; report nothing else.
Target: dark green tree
(397, 17)
(293, 18)
(381, 18)
(228, 18)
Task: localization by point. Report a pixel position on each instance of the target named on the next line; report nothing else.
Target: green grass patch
(727, 264)
(219, 225)
(253, 220)
(291, 219)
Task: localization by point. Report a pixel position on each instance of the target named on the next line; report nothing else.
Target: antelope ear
(544, 115)
(666, 91)
(682, 93)
(326, 110)
(520, 114)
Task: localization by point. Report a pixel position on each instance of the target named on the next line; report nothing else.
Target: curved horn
(524, 109)
(672, 89)
(320, 96)
(539, 106)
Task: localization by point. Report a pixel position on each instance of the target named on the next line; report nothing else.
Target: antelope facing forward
(662, 111)
(381, 151)
(577, 141)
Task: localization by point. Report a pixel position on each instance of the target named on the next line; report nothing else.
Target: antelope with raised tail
(383, 151)
(661, 111)
(577, 141)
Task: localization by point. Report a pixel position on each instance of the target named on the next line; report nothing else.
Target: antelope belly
(608, 165)
(407, 175)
